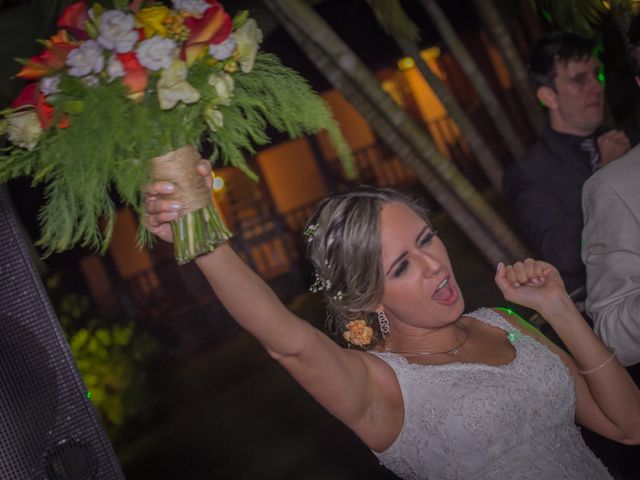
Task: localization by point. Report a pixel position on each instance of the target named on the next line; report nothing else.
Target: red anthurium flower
(31, 95)
(214, 27)
(136, 76)
(50, 60)
(74, 18)
(46, 112)
(26, 97)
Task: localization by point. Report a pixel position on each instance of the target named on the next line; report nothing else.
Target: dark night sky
(355, 23)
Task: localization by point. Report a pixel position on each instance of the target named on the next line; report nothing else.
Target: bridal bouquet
(120, 96)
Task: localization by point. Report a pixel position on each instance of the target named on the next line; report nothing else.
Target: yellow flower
(358, 333)
(231, 67)
(23, 128)
(247, 37)
(173, 86)
(151, 18)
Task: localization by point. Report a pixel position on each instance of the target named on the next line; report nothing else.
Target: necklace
(421, 353)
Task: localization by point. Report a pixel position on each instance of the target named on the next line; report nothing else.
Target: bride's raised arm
(350, 384)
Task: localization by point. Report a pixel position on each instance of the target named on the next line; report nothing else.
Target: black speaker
(48, 426)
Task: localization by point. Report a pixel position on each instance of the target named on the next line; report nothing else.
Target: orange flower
(50, 60)
(136, 76)
(74, 19)
(214, 27)
(358, 333)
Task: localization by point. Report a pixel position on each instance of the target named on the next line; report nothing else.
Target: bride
(433, 392)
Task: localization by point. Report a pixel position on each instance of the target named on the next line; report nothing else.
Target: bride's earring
(383, 322)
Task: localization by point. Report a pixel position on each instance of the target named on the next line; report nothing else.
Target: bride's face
(420, 290)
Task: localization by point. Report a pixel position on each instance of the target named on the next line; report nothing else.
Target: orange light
(430, 53)
(406, 63)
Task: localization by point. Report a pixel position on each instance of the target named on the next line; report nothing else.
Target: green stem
(198, 233)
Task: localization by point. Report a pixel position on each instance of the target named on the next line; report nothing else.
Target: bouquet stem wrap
(198, 228)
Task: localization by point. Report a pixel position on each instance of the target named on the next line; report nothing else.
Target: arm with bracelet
(607, 399)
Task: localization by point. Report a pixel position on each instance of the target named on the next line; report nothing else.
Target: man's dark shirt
(545, 194)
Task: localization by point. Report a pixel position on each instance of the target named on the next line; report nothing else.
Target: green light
(522, 321)
(510, 312)
(513, 336)
(89, 394)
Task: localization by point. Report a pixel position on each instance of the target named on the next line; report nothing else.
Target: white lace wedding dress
(480, 422)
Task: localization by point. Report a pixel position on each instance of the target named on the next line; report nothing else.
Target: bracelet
(594, 369)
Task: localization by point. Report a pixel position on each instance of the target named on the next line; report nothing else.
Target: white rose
(50, 85)
(117, 31)
(214, 118)
(91, 80)
(115, 69)
(223, 84)
(194, 7)
(23, 128)
(173, 86)
(248, 37)
(85, 59)
(156, 53)
(223, 50)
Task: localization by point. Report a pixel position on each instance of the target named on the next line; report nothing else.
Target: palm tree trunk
(345, 71)
(487, 97)
(618, 7)
(393, 19)
(484, 155)
(521, 83)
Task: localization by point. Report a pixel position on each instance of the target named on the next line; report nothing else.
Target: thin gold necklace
(421, 353)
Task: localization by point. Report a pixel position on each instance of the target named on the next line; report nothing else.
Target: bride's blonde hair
(344, 247)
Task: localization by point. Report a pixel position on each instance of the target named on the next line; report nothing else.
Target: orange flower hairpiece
(358, 333)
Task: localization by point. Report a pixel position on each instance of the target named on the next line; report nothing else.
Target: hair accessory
(383, 321)
(310, 231)
(358, 333)
(595, 369)
(319, 284)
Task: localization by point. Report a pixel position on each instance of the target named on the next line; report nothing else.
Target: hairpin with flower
(358, 333)
(120, 96)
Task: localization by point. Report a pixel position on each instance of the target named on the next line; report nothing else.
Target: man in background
(545, 187)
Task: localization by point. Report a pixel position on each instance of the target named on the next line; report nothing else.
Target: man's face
(577, 101)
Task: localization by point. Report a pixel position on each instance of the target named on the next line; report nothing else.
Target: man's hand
(612, 145)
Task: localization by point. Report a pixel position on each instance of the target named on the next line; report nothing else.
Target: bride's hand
(159, 211)
(533, 284)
